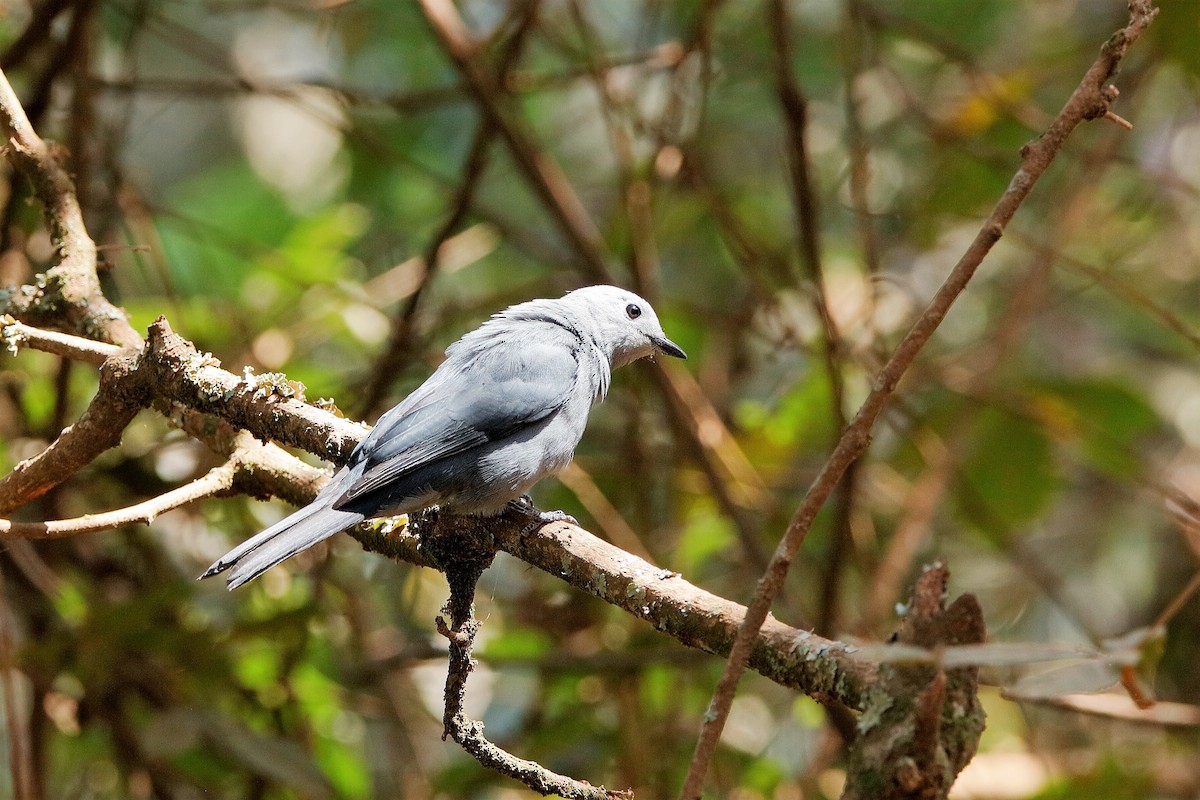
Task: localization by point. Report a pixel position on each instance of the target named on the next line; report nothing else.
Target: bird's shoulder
(486, 389)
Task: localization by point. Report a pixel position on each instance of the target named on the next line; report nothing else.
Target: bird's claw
(524, 506)
(546, 517)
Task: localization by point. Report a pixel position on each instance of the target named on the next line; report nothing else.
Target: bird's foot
(524, 506)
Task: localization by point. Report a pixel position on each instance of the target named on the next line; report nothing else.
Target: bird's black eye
(633, 310)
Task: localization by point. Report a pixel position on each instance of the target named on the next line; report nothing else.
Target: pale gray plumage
(504, 410)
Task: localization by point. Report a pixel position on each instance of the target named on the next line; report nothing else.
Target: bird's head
(623, 324)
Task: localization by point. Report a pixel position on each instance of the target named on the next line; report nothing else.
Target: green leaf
(1104, 416)
(517, 643)
(1010, 474)
(706, 535)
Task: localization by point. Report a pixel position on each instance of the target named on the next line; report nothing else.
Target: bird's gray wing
(489, 394)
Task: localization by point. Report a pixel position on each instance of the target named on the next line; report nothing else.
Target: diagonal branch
(120, 396)
(542, 172)
(1090, 100)
(71, 288)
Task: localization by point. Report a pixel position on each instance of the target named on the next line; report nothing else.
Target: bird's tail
(299, 531)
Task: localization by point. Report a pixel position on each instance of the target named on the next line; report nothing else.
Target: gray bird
(505, 409)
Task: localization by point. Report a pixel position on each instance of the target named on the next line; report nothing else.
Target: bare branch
(71, 288)
(265, 404)
(1090, 100)
(544, 174)
(463, 558)
(14, 334)
(218, 479)
(120, 396)
(819, 667)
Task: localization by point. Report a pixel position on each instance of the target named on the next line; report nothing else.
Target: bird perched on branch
(505, 409)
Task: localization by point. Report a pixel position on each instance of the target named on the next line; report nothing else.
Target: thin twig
(1177, 603)
(218, 479)
(805, 212)
(542, 172)
(1089, 101)
(463, 554)
(15, 334)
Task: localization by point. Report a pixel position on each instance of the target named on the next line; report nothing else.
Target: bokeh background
(310, 186)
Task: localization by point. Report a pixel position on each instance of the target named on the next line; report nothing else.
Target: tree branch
(266, 405)
(463, 555)
(120, 396)
(14, 335)
(824, 669)
(70, 289)
(1090, 100)
(218, 479)
(542, 172)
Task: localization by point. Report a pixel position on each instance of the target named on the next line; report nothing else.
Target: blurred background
(315, 187)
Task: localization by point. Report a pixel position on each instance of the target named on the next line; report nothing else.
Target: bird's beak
(665, 345)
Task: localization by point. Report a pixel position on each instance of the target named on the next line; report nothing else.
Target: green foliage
(1116, 778)
(1011, 475)
(1107, 419)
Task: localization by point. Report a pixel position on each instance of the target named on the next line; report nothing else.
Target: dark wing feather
(515, 380)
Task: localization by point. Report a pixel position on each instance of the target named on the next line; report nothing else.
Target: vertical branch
(860, 167)
(20, 749)
(463, 548)
(804, 203)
